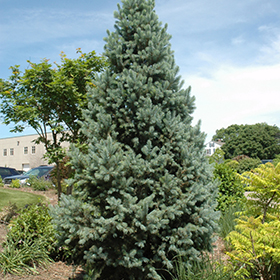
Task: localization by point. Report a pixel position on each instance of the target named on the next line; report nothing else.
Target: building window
(11, 151)
(33, 150)
(25, 150)
(5, 152)
(211, 144)
(208, 151)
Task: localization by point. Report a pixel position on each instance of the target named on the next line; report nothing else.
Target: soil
(60, 270)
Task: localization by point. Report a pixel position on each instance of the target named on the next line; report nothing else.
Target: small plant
(227, 220)
(39, 184)
(21, 257)
(205, 269)
(33, 223)
(1, 182)
(15, 184)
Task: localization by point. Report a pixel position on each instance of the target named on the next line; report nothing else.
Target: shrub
(247, 164)
(1, 182)
(276, 160)
(15, 184)
(39, 184)
(33, 223)
(231, 190)
(30, 241)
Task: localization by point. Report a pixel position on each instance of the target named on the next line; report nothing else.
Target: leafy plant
(39, 184)
(231, 190)
(1, 182)
(276, 160)
(15, 184)
(33, 223)
(247, 164)
(256, 247)
(256, 240)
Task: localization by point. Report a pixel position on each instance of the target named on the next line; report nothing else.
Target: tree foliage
(256, 141)
(49, 99)
(144, 191)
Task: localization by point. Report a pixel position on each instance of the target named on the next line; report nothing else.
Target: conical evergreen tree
(143, 187)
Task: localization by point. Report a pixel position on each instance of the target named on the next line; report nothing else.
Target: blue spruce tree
(143, 186)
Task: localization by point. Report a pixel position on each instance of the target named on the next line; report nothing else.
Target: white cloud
(236, 96)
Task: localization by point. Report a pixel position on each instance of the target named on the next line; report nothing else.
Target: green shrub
(247, 164)
(276, 160)
(39, 184)
(233, 164)
(231, 190)
(30, 241)
(15, 184)
(33, 223)
(1, 182)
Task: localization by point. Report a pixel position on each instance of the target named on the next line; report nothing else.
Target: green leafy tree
(143, 189)
(50, 99)
(256, 141)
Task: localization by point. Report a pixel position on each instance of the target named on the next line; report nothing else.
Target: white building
(21, 152)
(211, 147)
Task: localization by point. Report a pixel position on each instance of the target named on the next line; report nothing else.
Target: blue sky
(227, 51)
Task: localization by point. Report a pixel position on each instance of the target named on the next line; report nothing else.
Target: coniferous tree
(143, 187)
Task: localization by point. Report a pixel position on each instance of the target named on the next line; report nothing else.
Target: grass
(18, 197)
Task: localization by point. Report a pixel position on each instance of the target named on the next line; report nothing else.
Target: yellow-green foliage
(256, 241)
(256, 246)
(263, 185)
(1, 182)
(15, 184)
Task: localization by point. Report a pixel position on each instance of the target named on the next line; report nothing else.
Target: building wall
(211, 147)
(21, 152)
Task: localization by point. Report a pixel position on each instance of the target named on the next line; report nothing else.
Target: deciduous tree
(256, 141)
(50, 99)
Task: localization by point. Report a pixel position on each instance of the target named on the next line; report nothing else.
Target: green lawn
(18, 197)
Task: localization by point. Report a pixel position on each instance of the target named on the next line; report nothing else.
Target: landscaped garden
(146, 202)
